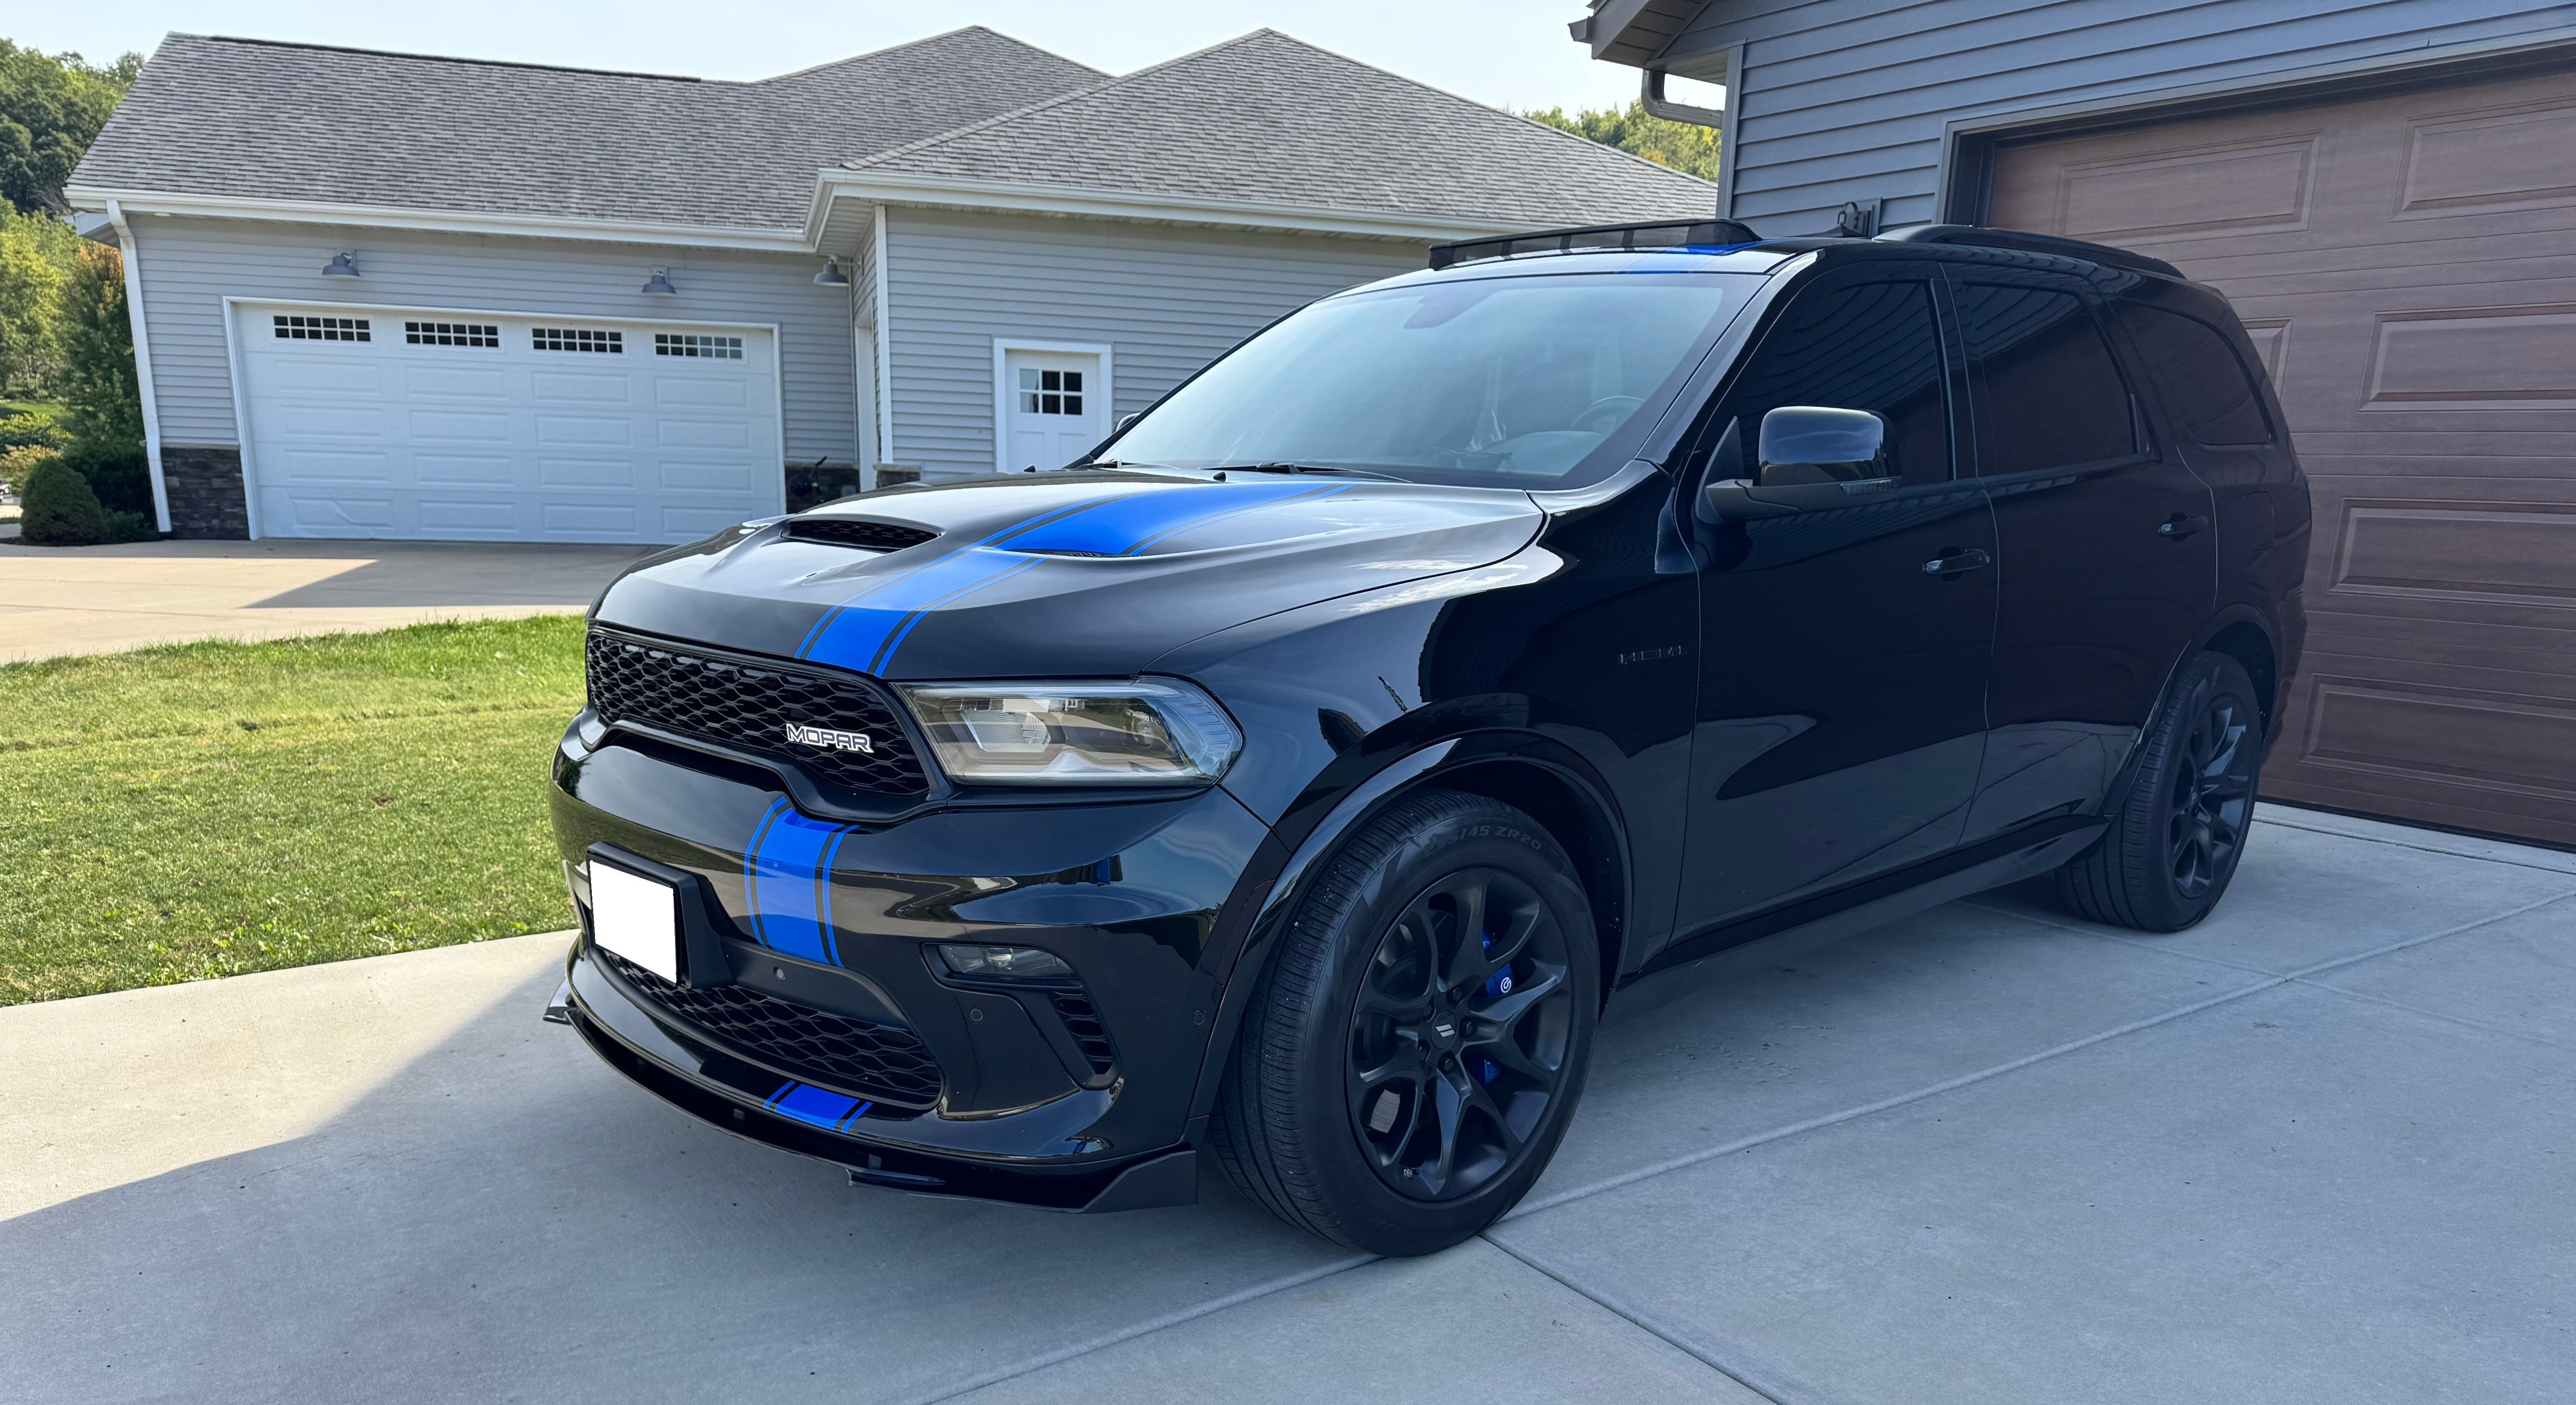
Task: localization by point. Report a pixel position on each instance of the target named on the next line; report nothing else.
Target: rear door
(2109, 561)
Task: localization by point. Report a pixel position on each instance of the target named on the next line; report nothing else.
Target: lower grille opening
(1082, 1021)
(878, 1062)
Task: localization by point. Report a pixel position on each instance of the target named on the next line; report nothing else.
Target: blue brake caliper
(1496, 985)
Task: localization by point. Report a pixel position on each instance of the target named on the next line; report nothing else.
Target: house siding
(1168, 300)
(189, 266)
(1850, 99)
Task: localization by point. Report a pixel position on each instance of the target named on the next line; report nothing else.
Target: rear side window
(1871, 347)
(2048, 394)
(2212, 393)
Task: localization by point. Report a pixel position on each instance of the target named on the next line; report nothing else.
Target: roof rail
(1654, 234)
(1980, 236)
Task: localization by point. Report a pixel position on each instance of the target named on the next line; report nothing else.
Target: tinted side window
(2048, 394)
(2212, 393)
(1873, 346)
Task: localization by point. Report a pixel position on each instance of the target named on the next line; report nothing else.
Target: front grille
(880, 1062)
(747, 704)
(851, 531)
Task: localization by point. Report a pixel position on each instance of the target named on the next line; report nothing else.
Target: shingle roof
(213, 116)
(1271, 118)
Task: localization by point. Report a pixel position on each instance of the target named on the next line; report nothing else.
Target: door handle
(2181, 525)
(1955, 563)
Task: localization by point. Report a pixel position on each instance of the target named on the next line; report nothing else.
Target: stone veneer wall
(207, 500)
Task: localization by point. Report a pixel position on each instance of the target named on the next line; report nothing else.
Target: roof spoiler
(1980, 236)
(1657, 234)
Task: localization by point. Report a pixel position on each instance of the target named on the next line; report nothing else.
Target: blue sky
(1511, 53)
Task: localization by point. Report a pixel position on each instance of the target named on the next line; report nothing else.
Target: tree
(1684, 146)
(51, 108)
(97, 384)
(36, 255)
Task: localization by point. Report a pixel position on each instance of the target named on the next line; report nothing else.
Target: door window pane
(1871, 347)
(2048, 393)
(2210, 391)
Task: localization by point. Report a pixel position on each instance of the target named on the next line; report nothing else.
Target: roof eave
(152, 202)
(1148, 207)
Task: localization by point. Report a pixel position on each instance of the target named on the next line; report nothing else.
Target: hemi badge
(803, 735)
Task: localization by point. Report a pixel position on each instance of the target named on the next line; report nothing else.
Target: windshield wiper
(1305, 468)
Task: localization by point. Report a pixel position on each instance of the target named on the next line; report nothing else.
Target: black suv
(1294, 780)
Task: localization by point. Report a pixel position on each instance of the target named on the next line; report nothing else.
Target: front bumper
(859, 1047)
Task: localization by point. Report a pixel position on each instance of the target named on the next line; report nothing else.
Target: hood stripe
(812, 647)
(1125, 526)
(788, 883)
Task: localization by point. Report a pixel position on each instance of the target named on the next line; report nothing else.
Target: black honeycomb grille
(880, 1062)
(851, 531)
(743, 703)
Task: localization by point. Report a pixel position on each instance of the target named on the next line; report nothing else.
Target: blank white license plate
(636, 917)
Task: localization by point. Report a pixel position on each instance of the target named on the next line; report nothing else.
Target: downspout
(131, 257)
(885, 342)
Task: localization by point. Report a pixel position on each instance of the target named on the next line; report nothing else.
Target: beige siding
(189, 266)
(1168, 299)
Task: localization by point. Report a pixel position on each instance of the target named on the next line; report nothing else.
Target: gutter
(961, 193)
(442, 221)
(132, 259)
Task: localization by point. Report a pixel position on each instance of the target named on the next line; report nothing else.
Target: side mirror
(1814, 444)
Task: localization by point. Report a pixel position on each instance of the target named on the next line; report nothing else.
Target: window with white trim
(1050, 392)
(301, 328)
(691, 344)
(452, 334)
(577, 339)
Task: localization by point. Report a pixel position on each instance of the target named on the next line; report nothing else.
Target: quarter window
(577, 339)
(290, 328)
(2048, 394)
(2212, 393)
(1050, 392)
(451, 334)
(691, 344)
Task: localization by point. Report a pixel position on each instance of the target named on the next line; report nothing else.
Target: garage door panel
(2406, 265)
(392, 438)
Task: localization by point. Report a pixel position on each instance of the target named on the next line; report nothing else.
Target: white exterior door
(1055, 407)
(472, 426)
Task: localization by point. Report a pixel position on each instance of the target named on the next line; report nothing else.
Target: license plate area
(637, 917)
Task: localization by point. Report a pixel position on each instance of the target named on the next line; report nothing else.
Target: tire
(2179, 828)
(1393, 1102)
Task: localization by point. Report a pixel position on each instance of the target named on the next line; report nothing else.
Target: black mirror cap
(1819, 444)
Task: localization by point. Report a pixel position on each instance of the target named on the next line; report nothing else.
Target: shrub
(19, 461)
(120, 476)
(60, 508)
(32, 431)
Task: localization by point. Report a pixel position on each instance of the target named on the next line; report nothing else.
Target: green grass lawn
(46, 408)
(201, 810)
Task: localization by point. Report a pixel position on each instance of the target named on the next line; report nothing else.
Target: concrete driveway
(97, 599)
(2322, 1148)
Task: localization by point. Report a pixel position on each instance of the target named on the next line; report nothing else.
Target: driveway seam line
(2419, 848)
(1142, 1329)
(2140, 943)
(1676, 1163)
(2507, 1031)
(1641, 1324)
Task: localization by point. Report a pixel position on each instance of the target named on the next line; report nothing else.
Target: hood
(1075, 574)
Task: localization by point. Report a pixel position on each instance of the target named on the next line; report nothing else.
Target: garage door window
(578, 339)
(301, 328)
(452, 334)
(691, 344)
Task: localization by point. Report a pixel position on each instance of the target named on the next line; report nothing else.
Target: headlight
(1139, 733)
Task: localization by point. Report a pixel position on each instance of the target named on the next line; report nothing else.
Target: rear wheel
(1417, 1042)
(2179, 830)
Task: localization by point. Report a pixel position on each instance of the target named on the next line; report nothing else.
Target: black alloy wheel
(2179, 828)
(1417, 1038)
(1459, 1035)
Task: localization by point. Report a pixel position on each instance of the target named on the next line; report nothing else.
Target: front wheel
(1417, 1042)
(2179, 829)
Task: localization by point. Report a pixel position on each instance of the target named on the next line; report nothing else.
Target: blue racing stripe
(1125, 526)
(824, 628)
(861, 634)
(817, 1107)
(788, 883)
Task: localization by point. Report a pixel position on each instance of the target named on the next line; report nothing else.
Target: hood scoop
(855, 531)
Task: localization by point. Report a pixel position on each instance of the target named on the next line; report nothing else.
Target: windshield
(1500, 381)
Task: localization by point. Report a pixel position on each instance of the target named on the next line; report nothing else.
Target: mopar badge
(803, 735)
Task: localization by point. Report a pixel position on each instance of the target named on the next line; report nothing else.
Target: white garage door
(470, 426)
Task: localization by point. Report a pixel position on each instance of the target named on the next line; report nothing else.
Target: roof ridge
(441, 58)
(858, 163)
(985, 29)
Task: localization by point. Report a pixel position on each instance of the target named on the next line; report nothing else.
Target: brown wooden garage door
(2408, 266)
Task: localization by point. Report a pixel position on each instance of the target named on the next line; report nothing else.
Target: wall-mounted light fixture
(342, 265)
(660, 284)
(832, 276)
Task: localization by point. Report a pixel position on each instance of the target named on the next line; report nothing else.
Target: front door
(2108, 546)
(1055, 408)
(1843, 671)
